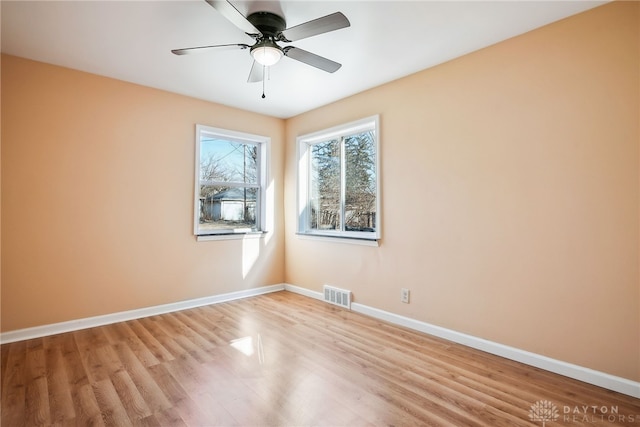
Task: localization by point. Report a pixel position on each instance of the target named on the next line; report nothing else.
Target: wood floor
(282, 360)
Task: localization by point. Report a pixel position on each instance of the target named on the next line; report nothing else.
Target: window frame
(304, 144)
(263, 144)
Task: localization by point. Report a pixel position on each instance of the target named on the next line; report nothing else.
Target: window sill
(231, 236)
(339, 239)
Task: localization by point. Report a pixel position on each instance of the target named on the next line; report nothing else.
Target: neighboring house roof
(233, 194)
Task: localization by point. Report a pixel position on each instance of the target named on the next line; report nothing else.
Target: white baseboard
(304, 291)
(591, 376)
(90, 322)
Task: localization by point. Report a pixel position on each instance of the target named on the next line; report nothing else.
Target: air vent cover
(337, 296)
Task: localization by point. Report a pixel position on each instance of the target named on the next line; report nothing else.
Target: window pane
(325, 186)
(338, 181)
(360, 182)
(228, 161)
(227, 208)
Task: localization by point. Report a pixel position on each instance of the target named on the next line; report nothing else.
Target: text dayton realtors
(596, 413)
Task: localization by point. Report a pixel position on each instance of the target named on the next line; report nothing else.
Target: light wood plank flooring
(281, 360)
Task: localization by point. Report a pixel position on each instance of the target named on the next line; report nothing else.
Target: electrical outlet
(404, 295)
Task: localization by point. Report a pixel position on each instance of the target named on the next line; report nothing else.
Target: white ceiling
(131, 41)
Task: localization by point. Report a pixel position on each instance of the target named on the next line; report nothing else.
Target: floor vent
(337, 296)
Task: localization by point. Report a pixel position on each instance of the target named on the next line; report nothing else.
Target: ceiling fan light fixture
(267, 54)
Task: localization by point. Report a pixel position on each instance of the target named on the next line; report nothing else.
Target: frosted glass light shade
(266, 55)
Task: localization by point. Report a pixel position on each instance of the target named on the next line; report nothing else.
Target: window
(338, 179)
(230, 182)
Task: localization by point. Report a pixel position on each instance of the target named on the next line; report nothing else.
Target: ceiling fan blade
(328, 23)
(199, 49)
(256, 74)
(312, 59)
(229, 11)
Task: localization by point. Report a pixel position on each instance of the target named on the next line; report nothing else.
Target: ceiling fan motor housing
(269, 24)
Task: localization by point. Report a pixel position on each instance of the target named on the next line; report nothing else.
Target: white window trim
(230, 236)
(339, 239)
(303, 144)
(243, 138)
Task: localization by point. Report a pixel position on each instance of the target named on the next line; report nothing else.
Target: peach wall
(510, 194)
(97, 198)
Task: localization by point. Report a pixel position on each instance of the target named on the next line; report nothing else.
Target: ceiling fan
(267, 29)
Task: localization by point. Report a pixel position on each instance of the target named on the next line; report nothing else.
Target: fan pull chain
(263, 79)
